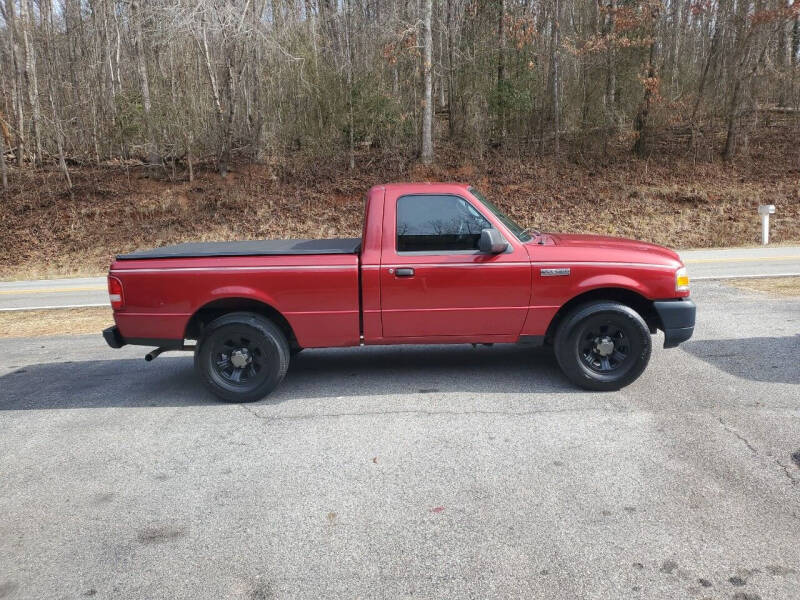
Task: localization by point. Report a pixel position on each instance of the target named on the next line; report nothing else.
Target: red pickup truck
(437, 263)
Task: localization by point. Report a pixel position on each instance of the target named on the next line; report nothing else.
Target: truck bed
(249, 248)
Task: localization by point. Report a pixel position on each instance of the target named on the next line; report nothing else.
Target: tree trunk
(448, 26)
(611, 61)
(554, 61)
(677, 29)
(642, 121)
(732, 128)
(62, 163)
(19, 112)
(427, 115)
(188, 143)
(153, 157)
(744, 36)
(780, 54)
(350, 117)
(501, 69)
(222, 166)
(108, 62)
(31, 81)
(3, 167)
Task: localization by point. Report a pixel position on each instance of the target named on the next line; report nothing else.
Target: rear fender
(240, 291)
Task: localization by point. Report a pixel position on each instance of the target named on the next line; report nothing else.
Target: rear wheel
(242, 357)
(603, 345)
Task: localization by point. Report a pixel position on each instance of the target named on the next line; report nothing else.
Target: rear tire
(603, 346)
(242, 357)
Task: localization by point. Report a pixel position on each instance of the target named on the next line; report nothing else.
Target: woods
(172, 82)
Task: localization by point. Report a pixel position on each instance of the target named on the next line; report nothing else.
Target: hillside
(117, 208)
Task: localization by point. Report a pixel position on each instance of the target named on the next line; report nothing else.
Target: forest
(87, 81)
(639, 107)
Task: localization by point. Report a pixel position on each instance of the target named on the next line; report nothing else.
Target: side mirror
(492, 242)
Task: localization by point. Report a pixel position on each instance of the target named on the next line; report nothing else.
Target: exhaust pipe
(157, 352)
(152, 354)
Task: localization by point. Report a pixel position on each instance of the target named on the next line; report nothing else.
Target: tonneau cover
(249, 248)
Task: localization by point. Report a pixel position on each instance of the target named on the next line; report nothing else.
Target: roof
(426, 186)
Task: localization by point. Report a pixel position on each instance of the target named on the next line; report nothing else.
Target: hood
(605, 248)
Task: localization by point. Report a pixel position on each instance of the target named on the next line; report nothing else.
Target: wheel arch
(217, 308)
(628, 297)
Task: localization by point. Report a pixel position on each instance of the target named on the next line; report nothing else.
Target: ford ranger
(437, 263)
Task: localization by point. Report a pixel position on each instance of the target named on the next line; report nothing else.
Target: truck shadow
(171, 380)
(768, 359)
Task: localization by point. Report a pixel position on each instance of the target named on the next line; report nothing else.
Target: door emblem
(553, 272)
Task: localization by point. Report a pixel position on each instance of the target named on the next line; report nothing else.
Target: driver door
(434, 281)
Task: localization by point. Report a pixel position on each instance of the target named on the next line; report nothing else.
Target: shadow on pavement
(768, 359)
(171, 380)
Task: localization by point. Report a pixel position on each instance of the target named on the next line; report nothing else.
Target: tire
(242, 357)
(603, 346)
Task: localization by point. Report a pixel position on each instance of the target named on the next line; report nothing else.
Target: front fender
(612, 280)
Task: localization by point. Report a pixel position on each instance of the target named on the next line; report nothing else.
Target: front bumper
(113, 337)
(677, 318)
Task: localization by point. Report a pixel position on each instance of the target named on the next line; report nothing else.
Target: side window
(437, 223)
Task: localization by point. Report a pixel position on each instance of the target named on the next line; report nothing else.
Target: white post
(765, 210)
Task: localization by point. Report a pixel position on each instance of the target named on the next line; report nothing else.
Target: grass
(776, 286)
(66, 321)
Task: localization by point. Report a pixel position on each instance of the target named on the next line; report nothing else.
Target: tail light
(115, 293)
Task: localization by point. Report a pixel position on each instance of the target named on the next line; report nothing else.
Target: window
(520, 232)
(437, 223)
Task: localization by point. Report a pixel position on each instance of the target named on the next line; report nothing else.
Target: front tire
(603, 346)
(242, 357)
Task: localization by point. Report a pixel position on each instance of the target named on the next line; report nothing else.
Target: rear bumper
(113, 337)
(677, 318)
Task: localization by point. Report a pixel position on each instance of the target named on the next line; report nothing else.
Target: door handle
(404, 272)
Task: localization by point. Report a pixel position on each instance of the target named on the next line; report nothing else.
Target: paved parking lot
(441, 472)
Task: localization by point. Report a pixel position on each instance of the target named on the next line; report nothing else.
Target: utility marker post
(765, 210)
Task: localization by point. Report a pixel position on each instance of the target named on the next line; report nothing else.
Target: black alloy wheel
(238, 359)
(603, 345)
(242, 356)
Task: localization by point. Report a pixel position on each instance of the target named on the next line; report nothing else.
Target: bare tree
(556, 74)
(144, 81)
(427, 65)
(17, 81)
(31, 80)
(651, 84)
(4, 137)
(218, 81)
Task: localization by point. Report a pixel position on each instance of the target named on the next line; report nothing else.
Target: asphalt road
(728, 263)
(53, 293)
(439, 472)
(733, 263)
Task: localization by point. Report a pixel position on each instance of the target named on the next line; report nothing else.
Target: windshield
(520, 232)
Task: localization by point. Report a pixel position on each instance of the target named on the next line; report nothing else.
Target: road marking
(21, 308)
(87, 288)
(740, 259)
(757, 276)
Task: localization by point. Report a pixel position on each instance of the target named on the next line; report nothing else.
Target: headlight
(682, 280)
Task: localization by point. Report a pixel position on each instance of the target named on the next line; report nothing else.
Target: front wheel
(242, 357)
(603, 346)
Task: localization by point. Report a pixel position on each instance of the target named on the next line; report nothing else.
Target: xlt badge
(553, 272)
